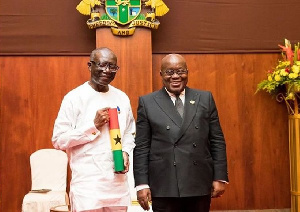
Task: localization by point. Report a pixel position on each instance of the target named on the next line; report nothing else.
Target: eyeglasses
(180, 72)
(103, 66)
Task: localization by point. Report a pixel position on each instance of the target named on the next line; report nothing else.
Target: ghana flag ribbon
(115, 139)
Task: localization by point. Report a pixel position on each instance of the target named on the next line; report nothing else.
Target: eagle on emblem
(158, 6)
(85, 7)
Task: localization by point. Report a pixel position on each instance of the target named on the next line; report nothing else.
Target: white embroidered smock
(94, 184)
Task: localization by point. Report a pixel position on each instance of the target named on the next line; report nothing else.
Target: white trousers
(110, 209)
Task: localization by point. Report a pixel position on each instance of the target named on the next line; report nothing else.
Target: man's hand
(144, 197)
(126, 163)
(101, 118)
(218, 189)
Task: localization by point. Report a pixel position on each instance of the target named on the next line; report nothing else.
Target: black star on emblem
(117, 139)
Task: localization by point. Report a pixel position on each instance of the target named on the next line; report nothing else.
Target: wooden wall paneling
(135, 60)
(15, 132)
(271, 146)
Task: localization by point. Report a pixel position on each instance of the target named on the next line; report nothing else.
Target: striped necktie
(179, 106)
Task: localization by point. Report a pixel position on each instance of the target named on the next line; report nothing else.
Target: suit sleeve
(142, 149)
(217, 143)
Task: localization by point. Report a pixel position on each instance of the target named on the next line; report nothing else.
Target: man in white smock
(82, 129)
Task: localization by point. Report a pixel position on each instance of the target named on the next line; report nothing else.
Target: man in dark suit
(180, 155)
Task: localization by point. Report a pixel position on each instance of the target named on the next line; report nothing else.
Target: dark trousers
(181, 204)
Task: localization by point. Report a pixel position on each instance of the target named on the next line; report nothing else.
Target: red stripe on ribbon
(113, 118)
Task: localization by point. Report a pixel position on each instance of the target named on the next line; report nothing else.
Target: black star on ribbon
(117, 139)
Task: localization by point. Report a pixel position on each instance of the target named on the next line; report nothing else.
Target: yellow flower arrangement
(285, 75)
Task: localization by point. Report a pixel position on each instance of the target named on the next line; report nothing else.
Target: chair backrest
(49, 169)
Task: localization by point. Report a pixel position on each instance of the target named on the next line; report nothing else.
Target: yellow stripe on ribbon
(115, 139)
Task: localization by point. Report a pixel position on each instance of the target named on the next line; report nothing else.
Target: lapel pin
(192, 102)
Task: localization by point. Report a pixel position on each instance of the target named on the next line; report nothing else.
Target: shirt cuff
(222, 181)
(141, 187)
(92, 132)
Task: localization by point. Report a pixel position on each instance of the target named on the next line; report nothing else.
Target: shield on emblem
(123, 11)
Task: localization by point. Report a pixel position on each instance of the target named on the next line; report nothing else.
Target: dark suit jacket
(175, 157)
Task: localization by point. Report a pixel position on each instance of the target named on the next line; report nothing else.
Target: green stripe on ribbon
(118, 160)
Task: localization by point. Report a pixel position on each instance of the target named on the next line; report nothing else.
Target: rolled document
(115, 139)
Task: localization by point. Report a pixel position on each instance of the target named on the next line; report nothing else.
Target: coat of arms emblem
(122, 15)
